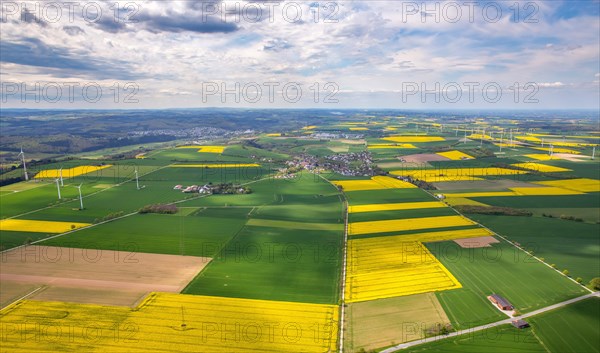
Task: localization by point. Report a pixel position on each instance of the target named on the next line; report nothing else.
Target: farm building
(520, 323)
(502, 303)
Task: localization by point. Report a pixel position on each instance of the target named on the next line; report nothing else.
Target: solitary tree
(595, 283)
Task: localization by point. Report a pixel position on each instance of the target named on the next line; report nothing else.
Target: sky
(300, 54)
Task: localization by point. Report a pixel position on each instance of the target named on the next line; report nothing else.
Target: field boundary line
(487, 326)
(344, 260)
(7, 306)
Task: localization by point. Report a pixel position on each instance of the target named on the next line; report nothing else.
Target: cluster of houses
(206, 189)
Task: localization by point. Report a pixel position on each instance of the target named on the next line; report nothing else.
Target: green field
(502, 339)
(502, 269)
(275, 264)
(287, 262)
(570, 329)
(570, 245)
(201, 234)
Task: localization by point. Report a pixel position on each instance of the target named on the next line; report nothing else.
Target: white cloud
(373, 47)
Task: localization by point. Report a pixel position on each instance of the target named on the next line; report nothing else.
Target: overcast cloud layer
(373, 54)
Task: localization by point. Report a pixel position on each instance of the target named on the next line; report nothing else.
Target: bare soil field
(424, 157)
(473, 243)
(93, 276)
(339, 149)
(572, 157)
(352, 142)
(12, 291)
(384, 322)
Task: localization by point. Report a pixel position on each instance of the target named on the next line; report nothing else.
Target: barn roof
(500, 300)
(520, 323)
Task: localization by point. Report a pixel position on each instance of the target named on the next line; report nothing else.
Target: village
(223, 188)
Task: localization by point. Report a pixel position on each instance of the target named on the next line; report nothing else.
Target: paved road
(483, 327)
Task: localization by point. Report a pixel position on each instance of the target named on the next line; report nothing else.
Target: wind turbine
(60, 175)
(551, 150)
(80, 198)
(593, 152)
(58, 189)
(465, 140)
(137, 181)
(22, 154)
(483, 134)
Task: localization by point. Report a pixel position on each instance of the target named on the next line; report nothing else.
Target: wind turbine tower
(80, 197)
(58, 189)
(137, 181)
(60, 175)
(22, 154)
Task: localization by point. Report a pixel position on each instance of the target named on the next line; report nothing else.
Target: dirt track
(92, 276)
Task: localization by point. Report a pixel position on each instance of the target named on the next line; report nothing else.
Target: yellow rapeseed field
(359, 128)
(311, 127)
(171, 323)
(392, 183)
(411, 139)
(540, 156)
(216, 165)
(557, 150)
(206, 149)
(457, 174)
(69, 173)
(539, 167)
(428, 237)
(528, 138)
(407, 224)
(376, 183)
(480, 137)
(273, 135)
(395, 206)
(390, 146)
(455, 155)
(480, 194)
(519, 191)
(382, 269)
(391, 128)
(212, 149)
(573, 144)
(582, 185)
(27, 225)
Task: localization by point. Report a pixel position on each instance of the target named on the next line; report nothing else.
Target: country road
(494, 324)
